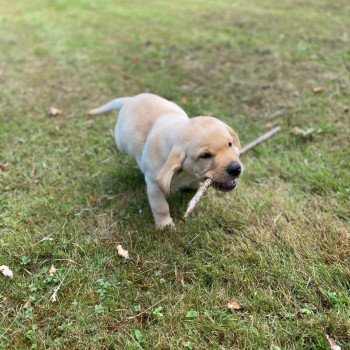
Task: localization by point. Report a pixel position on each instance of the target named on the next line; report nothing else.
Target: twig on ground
(207, 183)
(53, 297)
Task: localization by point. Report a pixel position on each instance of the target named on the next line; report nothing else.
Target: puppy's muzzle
(225, 186)
(234, 169)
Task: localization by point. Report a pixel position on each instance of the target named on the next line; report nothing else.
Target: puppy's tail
(116, 104)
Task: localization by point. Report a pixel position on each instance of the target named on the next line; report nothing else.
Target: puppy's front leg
(159, 205)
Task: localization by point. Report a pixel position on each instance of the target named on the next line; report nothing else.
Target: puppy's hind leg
(159, 205)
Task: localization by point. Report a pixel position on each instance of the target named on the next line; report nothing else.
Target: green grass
(279, 244)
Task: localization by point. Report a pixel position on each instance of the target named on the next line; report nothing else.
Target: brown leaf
(27, 304)
(303, 132)
(52, 111)
(184, 100)
(297, 131)
(5, 301)
(52, 270)
(318, 89)
(332, 343)
(233, 305)
(94, 198)
(4, 166)
(122, 252)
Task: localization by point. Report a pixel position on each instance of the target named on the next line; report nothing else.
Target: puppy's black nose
(234, 169)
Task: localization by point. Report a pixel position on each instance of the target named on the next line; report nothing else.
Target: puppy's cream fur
(171, 149)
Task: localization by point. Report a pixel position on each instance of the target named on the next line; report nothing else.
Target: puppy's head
(207, 148)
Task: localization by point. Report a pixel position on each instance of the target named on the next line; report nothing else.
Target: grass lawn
(278, 245)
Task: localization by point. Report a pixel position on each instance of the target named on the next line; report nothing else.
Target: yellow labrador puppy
(172, 150)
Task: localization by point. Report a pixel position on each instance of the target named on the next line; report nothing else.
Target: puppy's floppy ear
(234, 136)
(173, 163)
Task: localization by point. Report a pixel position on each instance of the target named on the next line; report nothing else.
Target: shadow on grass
(128, 184)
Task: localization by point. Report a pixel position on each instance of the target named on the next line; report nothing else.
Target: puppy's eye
(230, 144)
(206, 155)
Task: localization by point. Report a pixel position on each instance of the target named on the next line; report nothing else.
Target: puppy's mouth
(225, 186)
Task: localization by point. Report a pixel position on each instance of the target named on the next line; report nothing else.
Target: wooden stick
(197, 197)
(207, 183)
(260, 140)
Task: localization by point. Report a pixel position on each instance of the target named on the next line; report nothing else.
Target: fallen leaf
(94, 198)
(233, 305)
(318, 89)
(297, 131)
(5, 301)
(6, 271)
(52, 111)
(332, 343)
(27, 304)
(302, 132)
(184, 100)
(122, 252)
(4, 166)
(52, 270)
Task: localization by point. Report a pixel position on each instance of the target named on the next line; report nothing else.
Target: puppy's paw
(166, 223)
